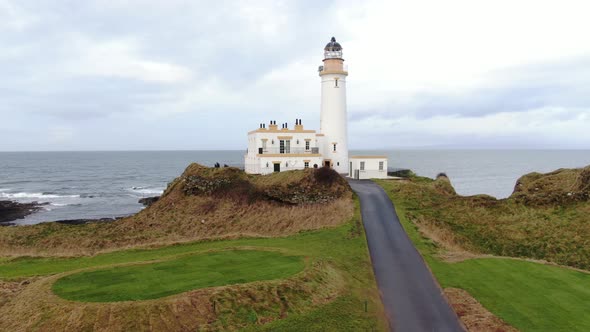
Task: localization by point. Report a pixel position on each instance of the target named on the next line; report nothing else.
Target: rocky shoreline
(147, 201)
(10, 211)
(86, 221)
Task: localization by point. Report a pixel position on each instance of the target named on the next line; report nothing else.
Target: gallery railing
(292, 150)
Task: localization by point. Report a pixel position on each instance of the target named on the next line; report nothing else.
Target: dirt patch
(449, 248)
(473, 314)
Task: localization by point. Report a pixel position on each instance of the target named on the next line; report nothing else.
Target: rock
(10, 210)
(443, 184)
(86, 221)
(147, 201)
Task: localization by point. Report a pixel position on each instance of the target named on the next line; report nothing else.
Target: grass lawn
(529, 296)
(343, 248)
(155, 280)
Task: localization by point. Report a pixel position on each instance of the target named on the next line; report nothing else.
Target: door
(277, 167)
(350, 170)
(327, 163)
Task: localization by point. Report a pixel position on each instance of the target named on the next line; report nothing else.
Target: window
(362, 165)
(306, 145)
(306, 164)
(287, 146)
(281, 146)
(334, 146)
(380, 165)
(336, 82)
(263, 145)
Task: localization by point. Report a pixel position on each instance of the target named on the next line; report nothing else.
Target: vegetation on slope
(451, 232)
(202, 203)
(547, 217)
(335, 292)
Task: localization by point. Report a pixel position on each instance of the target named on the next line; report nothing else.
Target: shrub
(326, 175)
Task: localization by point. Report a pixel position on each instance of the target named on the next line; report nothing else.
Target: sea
(88, 185)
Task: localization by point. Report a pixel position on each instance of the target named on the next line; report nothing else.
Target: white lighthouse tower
(333, 119)
(273, 149)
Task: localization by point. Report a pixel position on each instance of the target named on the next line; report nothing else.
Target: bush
(326, 175)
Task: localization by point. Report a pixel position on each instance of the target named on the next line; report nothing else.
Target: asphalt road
(413, 300)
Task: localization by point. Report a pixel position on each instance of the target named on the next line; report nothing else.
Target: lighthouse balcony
(287, 151)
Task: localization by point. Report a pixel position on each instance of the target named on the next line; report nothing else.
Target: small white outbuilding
(368, 167)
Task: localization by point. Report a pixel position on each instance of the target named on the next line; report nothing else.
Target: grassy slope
(343, 247)
(529, 296)
(232, 205)
(156, 280)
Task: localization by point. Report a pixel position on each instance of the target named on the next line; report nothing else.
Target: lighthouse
(333, 119)
(273, 149)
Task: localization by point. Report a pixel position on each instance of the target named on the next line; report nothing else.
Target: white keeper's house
(277, 147)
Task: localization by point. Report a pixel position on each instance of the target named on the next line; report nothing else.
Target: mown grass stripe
(155, 280)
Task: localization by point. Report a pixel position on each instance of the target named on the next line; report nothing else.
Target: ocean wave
(147, 190)
(25, 195)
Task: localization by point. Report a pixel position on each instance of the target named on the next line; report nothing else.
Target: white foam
(147, 191)
(26, 195)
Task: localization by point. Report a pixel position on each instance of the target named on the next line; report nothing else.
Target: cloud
(14, 18)
(516, 89)
(546, 127)
(422, 73)
(121, 58)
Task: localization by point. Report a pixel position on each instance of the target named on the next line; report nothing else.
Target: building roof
(367, 157)
(282, 131)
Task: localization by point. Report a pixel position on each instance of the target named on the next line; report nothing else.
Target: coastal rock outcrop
(309, 186)
(202, 203)
(443, 184)
(10, 211)
(560, 187)
(147, 201)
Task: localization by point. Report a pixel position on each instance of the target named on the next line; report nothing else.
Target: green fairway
(357, 307)
(527, 295)
(155, 280)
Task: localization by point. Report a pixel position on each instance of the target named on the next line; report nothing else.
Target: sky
(198, 75)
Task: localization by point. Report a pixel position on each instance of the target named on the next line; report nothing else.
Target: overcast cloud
(126, 75)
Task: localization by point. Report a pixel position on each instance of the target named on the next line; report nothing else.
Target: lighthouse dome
(333, 46)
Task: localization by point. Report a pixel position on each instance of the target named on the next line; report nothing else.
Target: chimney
(298, 125)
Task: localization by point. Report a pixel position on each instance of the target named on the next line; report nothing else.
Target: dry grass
(10, 289)
(560, 187)
(473, 315)
(36, 308)
(547, 217)
(237, 206)
(451, 250)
